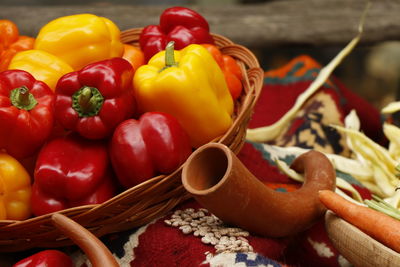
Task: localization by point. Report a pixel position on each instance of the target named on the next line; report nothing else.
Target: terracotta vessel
(220, 182)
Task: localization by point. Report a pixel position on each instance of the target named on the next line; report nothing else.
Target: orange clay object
(95, 250)
(221, 183)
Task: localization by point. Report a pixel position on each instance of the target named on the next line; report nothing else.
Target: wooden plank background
(283, 22)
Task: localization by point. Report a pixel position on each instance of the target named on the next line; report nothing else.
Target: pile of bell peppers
(84, 117)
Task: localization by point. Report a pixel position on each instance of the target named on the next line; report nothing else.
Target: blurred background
(285, 30)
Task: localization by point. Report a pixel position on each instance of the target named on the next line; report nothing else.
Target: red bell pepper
(179, 24)
(71, 171)
(46, 258)
(154, 144)
(94, 100)
(26, 113)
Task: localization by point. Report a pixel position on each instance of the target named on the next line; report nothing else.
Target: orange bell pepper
(15, 189)
(134, 55)
(11, 42)
(230, 68)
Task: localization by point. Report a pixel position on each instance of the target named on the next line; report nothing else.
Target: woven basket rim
(14, 235)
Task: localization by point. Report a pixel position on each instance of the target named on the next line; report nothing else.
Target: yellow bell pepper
(189, 85)
(15, 189)
(80, 39)
(43, 66)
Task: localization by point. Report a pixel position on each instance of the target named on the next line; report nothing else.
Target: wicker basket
(149, 200)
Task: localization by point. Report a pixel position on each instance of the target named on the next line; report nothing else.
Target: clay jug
(220, 182)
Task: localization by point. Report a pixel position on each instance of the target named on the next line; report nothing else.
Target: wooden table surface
(283, 22)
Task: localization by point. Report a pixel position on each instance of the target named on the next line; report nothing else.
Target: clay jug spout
(220, 182)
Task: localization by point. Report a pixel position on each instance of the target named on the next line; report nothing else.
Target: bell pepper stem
(169, 54)
(21, 98)
(87, 101)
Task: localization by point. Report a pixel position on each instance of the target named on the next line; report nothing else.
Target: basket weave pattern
(143, 203)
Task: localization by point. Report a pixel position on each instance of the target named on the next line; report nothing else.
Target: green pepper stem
(87, 101)
(169, 55)
(21, 98)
